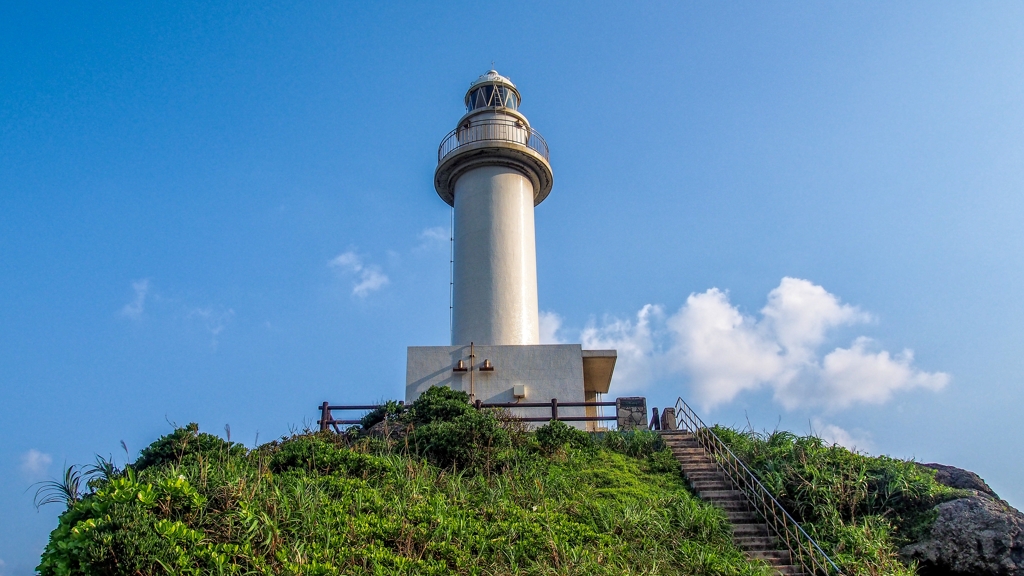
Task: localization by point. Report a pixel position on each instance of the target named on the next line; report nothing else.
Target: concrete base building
(493, 169)
(507, 374)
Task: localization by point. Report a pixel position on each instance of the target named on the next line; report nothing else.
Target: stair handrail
(800, 544)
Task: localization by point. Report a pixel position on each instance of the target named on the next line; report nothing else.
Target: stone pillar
(668, 419)
(631, 412)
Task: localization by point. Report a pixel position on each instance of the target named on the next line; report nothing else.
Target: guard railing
(803, 549)
(327, 419)
(493, 130)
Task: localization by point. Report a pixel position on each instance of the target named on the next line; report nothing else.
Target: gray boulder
(978, 535)
(388, 430)
(959, 478)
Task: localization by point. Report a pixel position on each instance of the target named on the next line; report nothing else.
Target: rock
(978, 535)
(387, 430)
(959, 478)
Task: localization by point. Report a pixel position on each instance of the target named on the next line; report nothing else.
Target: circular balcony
(493, 131)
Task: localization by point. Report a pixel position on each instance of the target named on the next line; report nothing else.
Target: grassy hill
(440, 488)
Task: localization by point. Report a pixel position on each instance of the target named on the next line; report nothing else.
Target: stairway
(749, 532)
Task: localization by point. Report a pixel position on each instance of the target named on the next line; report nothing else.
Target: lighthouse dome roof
(491, 77)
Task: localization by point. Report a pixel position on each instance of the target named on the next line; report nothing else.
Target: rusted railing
(327, 419)
(554, 405)
(802, 547)
(493, 130)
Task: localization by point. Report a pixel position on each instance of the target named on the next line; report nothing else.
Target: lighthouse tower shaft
(495, 275)
(493, 169)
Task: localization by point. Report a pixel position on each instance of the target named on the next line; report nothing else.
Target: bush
(183, 442)
(321, 453)
(472, 440)
(439, 403)
(390, 410)
(556, 435)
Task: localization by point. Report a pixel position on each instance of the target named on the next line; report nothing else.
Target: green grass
(456, 492)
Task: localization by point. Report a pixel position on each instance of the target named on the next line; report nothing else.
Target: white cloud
(856, 374)
(435, 237)
(636, 364)
(800, 314)
(368, 278)
(347, 260)
(137, 306)
(213, 318)
(833, 434)
(550, 324)
(34, 464)
(724, 353)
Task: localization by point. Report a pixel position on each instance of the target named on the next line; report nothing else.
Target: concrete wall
(547, 371)
(495, 276)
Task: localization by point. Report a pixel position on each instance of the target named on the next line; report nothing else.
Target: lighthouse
(493, 169)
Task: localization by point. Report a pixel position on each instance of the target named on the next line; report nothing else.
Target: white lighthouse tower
(493, 169)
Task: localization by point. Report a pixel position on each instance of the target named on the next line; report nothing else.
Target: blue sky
(176, 181)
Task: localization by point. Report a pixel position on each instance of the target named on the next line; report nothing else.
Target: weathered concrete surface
(547, 371)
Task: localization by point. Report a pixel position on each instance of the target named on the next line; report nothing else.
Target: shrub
(182, 442)
(390, 410)
(556, 435)
(321, 453)
(472, 440)
(439, 403)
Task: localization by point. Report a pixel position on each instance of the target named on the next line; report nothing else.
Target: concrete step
(697, 462)
(741, 517)
(790, 570)
(726, 494)
(698, 467)
(749, 530)
(715, 474)
(691, 460)
(781, 557)
(755, 542)
(731, 505)
(682, 444)
(690, 454)
(709, 485)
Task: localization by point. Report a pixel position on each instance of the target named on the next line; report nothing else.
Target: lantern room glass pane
(492, 96)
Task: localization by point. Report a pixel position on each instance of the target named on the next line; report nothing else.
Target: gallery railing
(327, 419)
(803, 549)
(493, 130)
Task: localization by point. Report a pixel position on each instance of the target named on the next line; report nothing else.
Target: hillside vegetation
(860, 508)
(441, 488)
(454, 491)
